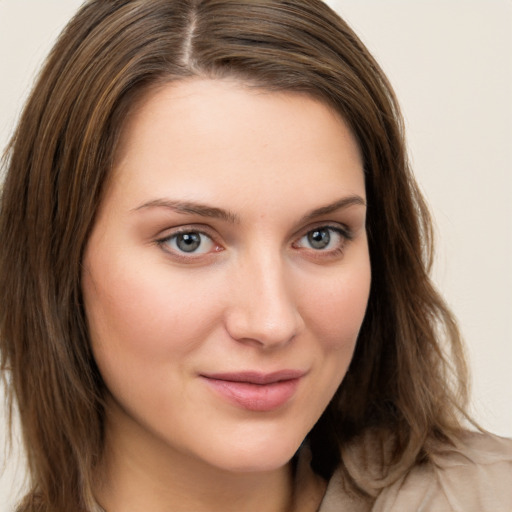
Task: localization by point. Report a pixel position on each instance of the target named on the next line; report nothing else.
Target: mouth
(255, 391)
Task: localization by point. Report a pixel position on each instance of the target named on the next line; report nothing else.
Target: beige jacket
(475, 477)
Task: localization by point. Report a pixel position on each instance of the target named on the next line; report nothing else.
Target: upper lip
(255, 377)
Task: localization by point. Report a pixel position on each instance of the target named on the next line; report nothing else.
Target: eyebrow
(191, 208)
(204, 210)
(341, 204)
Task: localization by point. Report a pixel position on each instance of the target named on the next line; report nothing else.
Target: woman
(214, 274)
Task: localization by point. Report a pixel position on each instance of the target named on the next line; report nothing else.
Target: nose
(263, 306)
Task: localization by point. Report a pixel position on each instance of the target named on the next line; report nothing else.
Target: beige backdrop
(451, 64)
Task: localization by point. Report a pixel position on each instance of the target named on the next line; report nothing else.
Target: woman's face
(227, 274)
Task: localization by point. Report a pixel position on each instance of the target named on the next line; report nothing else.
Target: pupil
(319, 238)
(188, 242)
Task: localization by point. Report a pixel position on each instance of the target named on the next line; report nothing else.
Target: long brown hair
(407, 378)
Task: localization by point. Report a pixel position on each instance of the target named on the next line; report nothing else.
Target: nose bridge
(263, 307)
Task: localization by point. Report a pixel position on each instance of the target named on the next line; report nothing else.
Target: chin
(252, 457)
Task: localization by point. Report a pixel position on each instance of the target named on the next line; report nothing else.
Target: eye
(323, 238)
(188, 242)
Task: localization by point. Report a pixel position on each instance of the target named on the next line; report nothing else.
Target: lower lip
(256, 397)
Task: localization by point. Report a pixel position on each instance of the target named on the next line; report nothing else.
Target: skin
(256, 294)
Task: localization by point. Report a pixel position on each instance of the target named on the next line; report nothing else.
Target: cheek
(143, 330)
(138, 310)
(337, 308)
(334, 309)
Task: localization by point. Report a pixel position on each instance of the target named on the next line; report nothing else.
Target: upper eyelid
(189, 228)
(339, 227)
(184, 231)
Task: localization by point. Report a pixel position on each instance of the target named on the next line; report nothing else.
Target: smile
(256, 391)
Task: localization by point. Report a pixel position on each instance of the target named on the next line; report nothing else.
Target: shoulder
(473, 476)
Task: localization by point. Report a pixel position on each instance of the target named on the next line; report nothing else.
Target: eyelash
(343, 232)
(182, 255)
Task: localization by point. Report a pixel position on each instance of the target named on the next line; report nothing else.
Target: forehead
(191, 136)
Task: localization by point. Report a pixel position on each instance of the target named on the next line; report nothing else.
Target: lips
(256, 391)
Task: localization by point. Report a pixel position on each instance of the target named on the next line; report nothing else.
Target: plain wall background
(450, 62)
